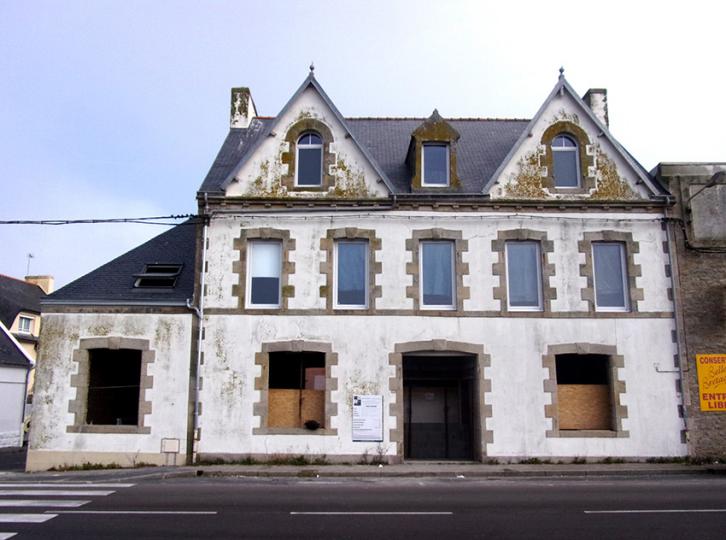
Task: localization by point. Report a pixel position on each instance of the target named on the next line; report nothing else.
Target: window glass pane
(523, 272)
(265, 264)
(438, 273)
(563, 142)
(609, 278)
(310, 166)
(565, 167)
(351, 273)
(436, 164)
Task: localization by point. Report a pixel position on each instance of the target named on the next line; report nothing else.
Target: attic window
(310, 160)
(158, 276)
(435, 164)
(566, 162)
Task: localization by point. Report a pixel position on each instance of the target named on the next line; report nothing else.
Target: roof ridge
(448, 119)
(20, 280)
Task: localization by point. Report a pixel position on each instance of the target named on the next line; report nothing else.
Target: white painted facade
(12, 403)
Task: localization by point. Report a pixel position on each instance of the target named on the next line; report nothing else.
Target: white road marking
(371, 513)
(5, 536)
(140, 512)
(88, 485)
(55, 492)
(42, 502)
(25, 518)
(665, 511)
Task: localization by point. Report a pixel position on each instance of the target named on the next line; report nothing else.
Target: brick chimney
(242, 109)
(44, 282)
(597, 100)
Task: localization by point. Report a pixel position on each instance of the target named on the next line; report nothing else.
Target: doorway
(439, 406)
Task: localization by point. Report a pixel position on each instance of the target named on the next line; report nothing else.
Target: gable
(269, 169)
(603, 168)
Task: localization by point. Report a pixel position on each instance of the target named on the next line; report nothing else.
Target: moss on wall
(610, 186)
(527, 182)
(349, 183)
(267, 183)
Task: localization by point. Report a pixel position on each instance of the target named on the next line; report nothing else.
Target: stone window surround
(239, 267)
(587, 159)
(395, 383)
(327, 267)
(500, 268)
(262, 359)
(617, 389)
(413, 268)
(79, 381)
(290, 156)
(434, 130)
(584, 246)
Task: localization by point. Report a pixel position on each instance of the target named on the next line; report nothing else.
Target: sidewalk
(408, 470)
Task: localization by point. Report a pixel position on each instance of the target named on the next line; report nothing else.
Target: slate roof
(483, 145)
(10, 354)
(114, 281)
(17, 295)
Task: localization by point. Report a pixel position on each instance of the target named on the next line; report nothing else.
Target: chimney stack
(44, 282)
(242, 108)
(597, 100)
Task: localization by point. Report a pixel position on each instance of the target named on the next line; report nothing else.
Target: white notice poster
(368, 418)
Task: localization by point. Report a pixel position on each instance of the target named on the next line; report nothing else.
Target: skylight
(158, 276)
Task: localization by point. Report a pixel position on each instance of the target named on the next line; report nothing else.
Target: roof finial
(562, 73)
(312, 67)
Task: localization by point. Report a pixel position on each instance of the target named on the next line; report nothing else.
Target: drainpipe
(199, 312)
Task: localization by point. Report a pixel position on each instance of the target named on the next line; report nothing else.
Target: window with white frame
(524, 276)
(438, 289)
(351, 274)
(610, 276)
(565, 162)
(263, 273)
(25, 325)
(309, 169)
(435, 165)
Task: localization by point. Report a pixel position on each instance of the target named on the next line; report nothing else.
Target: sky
(117, 109)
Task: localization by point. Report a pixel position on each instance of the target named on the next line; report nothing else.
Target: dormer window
(309, 160)
(565, 162)
(158, 276)
(435, 164)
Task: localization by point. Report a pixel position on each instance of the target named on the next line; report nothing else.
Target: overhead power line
(153, 220)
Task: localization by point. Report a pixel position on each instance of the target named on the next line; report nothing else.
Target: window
(435, 165)
(583, 392)
(351, 274)
(437, 274)
(565, 162)
(25, 325)
(296, 390)
(113, 387)
(263, 281)
(610, 276)
(158, 276)
(309, 160)
(524, 276)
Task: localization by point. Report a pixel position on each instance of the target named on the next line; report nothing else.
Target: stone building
(398, 288)
(697, 228)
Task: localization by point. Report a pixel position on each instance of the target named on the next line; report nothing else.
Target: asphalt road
(654, 507)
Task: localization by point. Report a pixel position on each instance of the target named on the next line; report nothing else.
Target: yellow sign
(712, 381)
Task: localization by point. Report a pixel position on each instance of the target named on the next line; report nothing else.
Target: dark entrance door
(438, 407)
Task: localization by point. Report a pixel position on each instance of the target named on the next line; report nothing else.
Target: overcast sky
(117, 109)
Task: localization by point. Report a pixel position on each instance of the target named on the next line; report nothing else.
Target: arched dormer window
(309, 160)
(565, 162)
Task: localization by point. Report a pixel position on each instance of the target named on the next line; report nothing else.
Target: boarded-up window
(296, 390)
(113, 387)
(583, 392)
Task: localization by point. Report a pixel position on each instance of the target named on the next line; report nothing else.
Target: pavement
(416, 469)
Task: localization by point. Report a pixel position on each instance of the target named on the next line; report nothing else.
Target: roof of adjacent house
(114, 281)
(10, 353)
(483, 145)
(17, 295)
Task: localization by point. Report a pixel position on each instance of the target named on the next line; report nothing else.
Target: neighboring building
(19, 328)
(697, 225)
(391, 287)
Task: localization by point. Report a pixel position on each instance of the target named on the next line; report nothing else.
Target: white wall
(12, 401)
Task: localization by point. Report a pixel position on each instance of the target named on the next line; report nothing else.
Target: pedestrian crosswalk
(31, 499)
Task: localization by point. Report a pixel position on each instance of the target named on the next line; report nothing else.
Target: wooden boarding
(584, 406)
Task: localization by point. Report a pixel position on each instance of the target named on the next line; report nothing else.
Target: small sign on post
(367, 418)
(712, 381)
